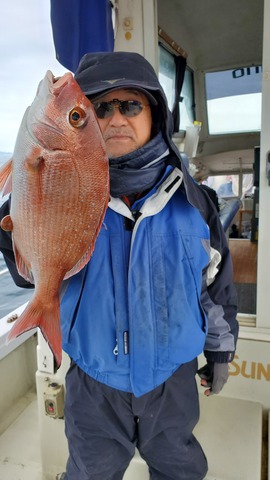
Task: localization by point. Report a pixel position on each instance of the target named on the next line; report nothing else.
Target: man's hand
(214, 376)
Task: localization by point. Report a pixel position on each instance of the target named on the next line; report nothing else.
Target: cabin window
(187, 104)
(167, 76)
(234, 100)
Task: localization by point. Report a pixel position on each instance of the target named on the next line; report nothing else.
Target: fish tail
(5, 178)
(47, 318)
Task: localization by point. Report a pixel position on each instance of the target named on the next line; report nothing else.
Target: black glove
(214, 376)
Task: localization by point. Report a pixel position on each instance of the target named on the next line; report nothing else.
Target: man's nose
(117, 118)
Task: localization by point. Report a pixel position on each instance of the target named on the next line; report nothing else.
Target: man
(157, 291)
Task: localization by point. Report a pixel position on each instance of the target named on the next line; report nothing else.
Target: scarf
(139, 170)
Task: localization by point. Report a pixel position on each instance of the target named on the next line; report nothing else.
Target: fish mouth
(44, 130)
(41, 128)
(58, 83)
(53, 85)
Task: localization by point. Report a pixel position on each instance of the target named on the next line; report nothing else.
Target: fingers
(213, 377)
(205, 384)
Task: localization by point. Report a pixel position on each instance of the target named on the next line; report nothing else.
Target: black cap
(100, 73)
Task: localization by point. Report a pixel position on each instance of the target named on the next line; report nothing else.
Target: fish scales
(60, 191)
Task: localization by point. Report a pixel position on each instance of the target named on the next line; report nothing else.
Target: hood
(99, 73)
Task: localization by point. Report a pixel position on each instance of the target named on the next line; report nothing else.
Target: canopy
(81, 26)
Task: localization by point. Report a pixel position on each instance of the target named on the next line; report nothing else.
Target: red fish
(60, 190)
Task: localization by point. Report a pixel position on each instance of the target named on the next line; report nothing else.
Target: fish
(58, 178)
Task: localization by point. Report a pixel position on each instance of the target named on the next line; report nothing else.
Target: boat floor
(20, 457)
(230, 431)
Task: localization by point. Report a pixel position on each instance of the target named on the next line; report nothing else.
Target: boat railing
(6, 323)
(2, 272)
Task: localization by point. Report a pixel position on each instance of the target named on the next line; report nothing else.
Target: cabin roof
(215, 33)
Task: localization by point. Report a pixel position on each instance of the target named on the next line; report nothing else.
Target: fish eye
(77, 117)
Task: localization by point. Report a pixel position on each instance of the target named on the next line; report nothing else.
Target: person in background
(157, 292)
(234, 231)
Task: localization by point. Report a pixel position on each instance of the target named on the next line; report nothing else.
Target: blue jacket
(139, 309)
(135, 313)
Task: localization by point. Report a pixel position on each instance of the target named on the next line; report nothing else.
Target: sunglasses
(128, 108)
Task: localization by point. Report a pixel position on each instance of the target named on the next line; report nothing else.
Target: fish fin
(80, 264)
(7, 224)
(5, 178)
(35, 162)
(86, 257)
(8, 186)
(23, 269)
(47, 318)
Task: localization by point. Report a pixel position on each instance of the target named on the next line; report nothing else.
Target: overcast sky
(26, 53)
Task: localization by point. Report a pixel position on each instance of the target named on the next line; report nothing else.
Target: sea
(11, 296)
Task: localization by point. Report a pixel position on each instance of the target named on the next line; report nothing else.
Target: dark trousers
(104, 425)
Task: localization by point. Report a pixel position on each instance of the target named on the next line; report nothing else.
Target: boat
(222, 123)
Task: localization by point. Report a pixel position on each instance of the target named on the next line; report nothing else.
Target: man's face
(124, 134)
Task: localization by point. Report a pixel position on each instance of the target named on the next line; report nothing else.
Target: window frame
(191, 73)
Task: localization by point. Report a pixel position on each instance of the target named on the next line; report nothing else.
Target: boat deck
(230, 431)
(20, 457)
